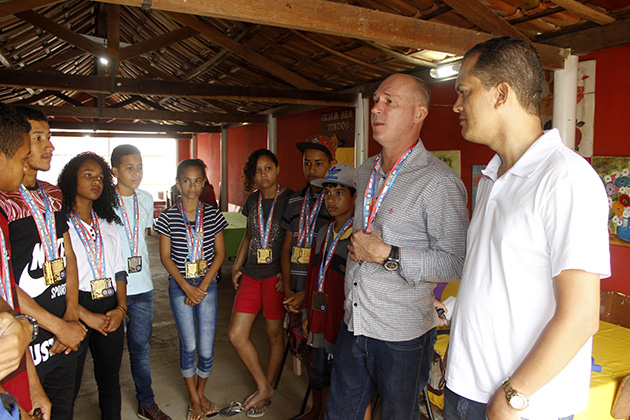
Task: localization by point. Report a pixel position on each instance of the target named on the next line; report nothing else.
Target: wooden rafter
(121, 126)
(133, 114)
(113, 36)
(16, 6)
(485, 18)
(345, 20)
(395, 54)
(337, 53)
(62, 32)
(55, 59)
(595, 39)
(156, 43)
(585, 12)
(104, 85)
(244, 52)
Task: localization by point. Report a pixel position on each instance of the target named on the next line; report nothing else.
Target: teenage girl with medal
(90, 198)
(192, 251)
(256, 275)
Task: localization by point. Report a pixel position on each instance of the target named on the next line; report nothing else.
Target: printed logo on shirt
(40, 351)
(32, 278)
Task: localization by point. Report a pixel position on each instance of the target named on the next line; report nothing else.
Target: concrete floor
(229, 381)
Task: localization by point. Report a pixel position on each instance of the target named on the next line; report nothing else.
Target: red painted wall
(183, 149)
(209, 150)
(241, 142)
(612, 137)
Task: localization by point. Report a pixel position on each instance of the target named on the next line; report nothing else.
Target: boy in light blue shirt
(135, 209)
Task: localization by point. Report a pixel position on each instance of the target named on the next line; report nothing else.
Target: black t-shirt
(28, 258)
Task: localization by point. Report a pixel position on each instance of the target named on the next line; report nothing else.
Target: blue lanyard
(45, 224)
(93, 247)
(194, 238)
(371, 205)
(265, 228)
(306, 226)
(133, 236)
(329, 250)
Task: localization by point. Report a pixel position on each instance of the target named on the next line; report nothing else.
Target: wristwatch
(392, 263)
(34, 325)
(516, 400)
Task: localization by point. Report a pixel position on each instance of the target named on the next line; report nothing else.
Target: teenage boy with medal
(89, 199)
(256, 275)
(192, 251)
(409, 233)
(48, 288)
(323, 310)
(304, 216)
(17, 372)
(135, 209)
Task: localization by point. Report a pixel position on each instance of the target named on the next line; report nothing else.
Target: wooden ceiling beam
(130, 127)
(156, 43)
(54, 60)
(585, 12)
(135, 114)
(345, 20)
(62, 32)
(248, 54)
(595, 39)
(485, 18)
(152, 70)
(395, 54)
(113, 36)
(16, 6)
(97, 84)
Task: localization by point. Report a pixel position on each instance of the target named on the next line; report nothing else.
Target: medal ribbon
(330, 251)
(372, 205)
(5, 284)
(93, 247)
(194, 238)
(305, 233)
(133, 236)
(265, 228)
(45, 224)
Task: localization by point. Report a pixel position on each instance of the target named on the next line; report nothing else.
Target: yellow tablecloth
(233, 234)
(611, 350)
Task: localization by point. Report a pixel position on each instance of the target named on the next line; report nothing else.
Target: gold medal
(102, 288)
(54, 271)
(134, 264)
(320, 301)
(191, 270)
(203, 267)
(301, 255)
(264, 256)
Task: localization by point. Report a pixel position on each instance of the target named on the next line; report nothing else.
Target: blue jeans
(457, 407)
(397, 370)
(204, 315)
(139, 330)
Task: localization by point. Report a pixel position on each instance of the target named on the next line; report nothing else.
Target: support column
(272, 134)
(223, 191)
(193, 146)
(361, 129)
(565, 100)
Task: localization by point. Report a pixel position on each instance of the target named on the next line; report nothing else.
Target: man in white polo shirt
(528, 303)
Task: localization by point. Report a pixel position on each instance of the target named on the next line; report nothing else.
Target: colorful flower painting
(453, 158)
(615, 172)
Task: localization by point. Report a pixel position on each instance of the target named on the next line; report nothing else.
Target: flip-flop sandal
(193, 415)
(259, 410)
(233, 409)
(210, 412)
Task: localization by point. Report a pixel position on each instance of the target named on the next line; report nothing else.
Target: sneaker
(152, 412)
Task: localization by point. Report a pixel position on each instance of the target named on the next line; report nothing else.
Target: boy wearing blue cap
(325, 282)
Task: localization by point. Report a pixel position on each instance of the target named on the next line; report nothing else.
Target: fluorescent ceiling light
(445, 71)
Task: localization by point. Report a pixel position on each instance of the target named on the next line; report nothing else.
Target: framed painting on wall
(453, 158)
(614, 172)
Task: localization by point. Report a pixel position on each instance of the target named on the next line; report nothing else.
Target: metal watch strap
(512, 394)
(34, 325)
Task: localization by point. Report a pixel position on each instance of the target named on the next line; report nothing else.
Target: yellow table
(611, 350)
(233, 234)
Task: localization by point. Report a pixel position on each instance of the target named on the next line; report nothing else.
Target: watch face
(391, 265)
(518, 402)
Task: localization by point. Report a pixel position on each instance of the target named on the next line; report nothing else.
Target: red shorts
(254, 293)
